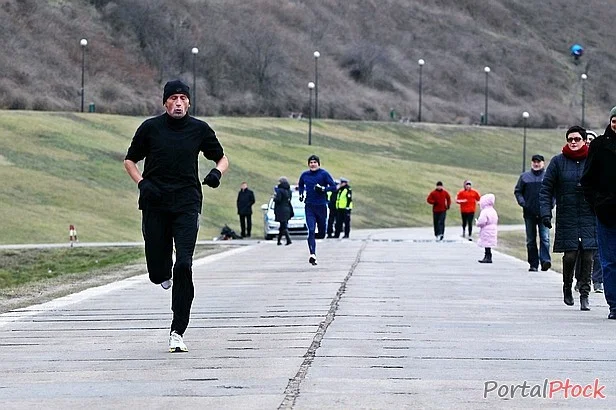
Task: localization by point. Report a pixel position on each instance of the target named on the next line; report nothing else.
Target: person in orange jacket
(467, 198)
(440, 201)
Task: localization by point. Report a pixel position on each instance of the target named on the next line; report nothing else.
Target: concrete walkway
(389, 319)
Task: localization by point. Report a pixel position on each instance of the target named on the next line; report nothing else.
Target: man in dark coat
(526, 193)
(599, 184)
(575, 221)
(245, 200)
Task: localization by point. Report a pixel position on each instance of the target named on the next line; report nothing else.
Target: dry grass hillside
(256, 57)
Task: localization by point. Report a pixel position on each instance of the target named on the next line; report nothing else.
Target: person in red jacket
(467, 198)
(440, 201)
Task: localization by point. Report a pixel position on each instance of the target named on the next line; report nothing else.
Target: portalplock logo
(550, 389)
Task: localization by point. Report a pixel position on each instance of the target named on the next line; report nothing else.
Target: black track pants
(160, 230)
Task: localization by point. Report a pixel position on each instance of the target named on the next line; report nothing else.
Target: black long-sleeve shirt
(171, 149)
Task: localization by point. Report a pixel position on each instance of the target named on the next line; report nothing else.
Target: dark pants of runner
(569, 259)
(467, 219)
(315, 217)
(439, 223)
(160, 230)
(246, 225)
(343, 216)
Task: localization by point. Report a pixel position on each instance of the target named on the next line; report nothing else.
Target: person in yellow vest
(331, 205)
(344, 205)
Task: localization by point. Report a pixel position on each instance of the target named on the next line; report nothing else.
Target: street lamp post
(584, 78)
(310, 88)
(83, 43)
(316, 84)
(193, 103)
(525, 116)
(486, 69)
(421, 63)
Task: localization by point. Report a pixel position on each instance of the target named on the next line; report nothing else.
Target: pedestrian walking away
(488, 226)
(526, 193)
(575, 221)
(283, 210)
(467, 198)
(170, 196)
(245, 201)
(599, 185)
(344, 206)
(440, 201)
(313, 185)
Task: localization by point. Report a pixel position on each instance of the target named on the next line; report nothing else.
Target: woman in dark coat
(283, 209)
(575, 222)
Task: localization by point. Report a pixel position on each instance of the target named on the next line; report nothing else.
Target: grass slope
(66, 168)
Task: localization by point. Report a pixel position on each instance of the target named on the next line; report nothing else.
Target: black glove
(546, 221)
(301, 198)
(213, 178)
(319, 188)
(148, 191)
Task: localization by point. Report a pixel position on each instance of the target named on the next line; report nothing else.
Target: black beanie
(175, 87)
(314, 158)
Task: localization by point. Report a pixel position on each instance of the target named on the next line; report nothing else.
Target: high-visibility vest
(344, 199)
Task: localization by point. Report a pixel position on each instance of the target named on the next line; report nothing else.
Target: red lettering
(576, 390)
(567, 387)
(598, 390)
(587, 391)
(553, 388)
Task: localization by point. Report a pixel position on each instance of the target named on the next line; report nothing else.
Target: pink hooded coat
(487, 222)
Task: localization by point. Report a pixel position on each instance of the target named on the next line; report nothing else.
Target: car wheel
(269, 237)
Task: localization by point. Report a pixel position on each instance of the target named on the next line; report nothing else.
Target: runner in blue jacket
(314, 184)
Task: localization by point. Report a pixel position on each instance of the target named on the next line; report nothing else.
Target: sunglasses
(574, 139)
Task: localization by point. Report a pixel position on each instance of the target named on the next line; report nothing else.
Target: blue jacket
(307, 182)
(527, 192)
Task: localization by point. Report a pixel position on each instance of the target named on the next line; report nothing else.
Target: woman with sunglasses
(575, 222)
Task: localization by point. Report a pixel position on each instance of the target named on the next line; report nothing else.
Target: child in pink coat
(487, 223)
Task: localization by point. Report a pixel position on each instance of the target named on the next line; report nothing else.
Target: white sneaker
(313, 259)
(166, 284)
(176, 344)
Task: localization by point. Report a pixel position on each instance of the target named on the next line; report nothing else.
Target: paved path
(388, 320)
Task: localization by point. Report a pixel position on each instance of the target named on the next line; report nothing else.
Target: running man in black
(170, 196)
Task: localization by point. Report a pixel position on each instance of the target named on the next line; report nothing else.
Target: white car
(297, 224)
